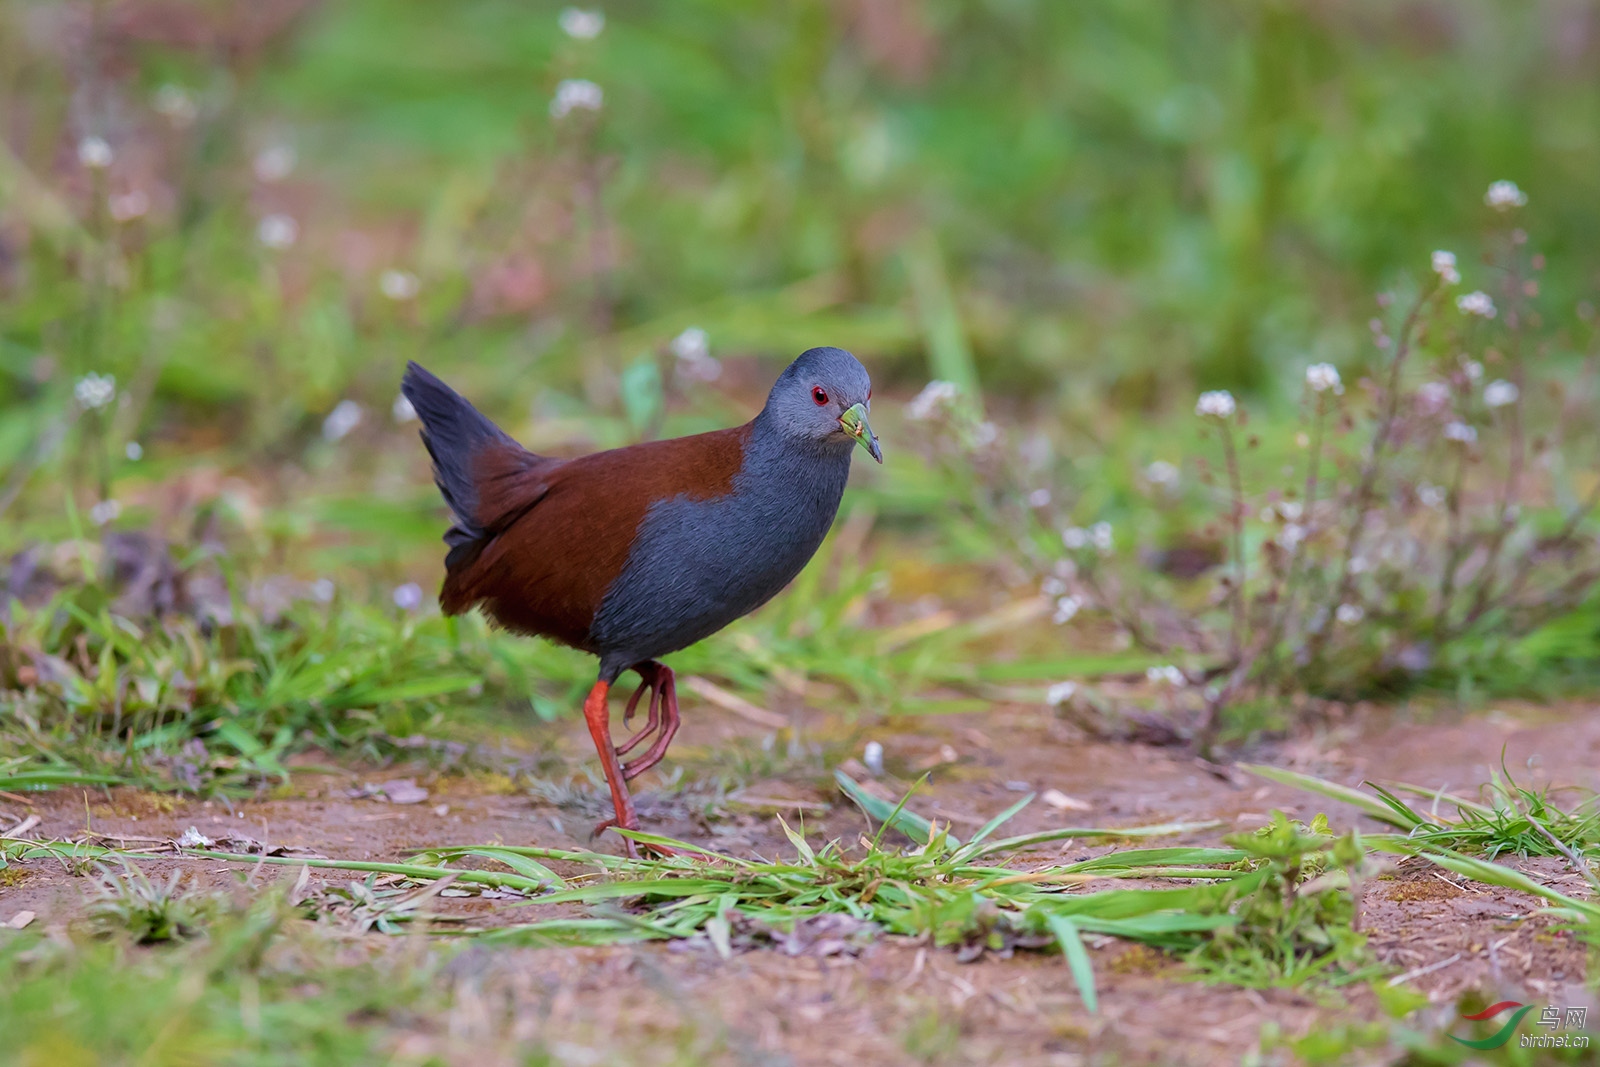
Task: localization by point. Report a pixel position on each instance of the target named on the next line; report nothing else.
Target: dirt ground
(897, 995)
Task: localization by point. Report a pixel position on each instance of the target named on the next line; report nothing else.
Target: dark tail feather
(473, 463)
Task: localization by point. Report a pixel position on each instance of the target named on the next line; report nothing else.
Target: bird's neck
(807, 470)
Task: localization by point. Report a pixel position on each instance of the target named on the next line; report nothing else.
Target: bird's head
(824, 396)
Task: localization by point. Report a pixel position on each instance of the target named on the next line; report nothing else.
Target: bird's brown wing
(560, 530)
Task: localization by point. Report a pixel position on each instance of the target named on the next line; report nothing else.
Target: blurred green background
(1089, 206)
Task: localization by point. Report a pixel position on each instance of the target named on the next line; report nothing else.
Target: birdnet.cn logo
(1561, 1024)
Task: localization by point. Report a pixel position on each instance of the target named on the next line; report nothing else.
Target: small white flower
(1432, 496)
(1218, 404)
(1100, 535)
(104, 512)
(176, 104)
(985, 434)
(872, 756)
(1060, 693)
(1460, 431)
(1162, 474)
(1499, 393)
(692, 343)
(584, 25)
(277, 231)
(1053, 587)
(1477, 302)
(402, 409)
(1322, 377)
(345, 416)
(1472, 369)
(125, 207)
(95, 392)
(1433, 397)
(193, 838)
(1291, 536)
(576, 94)
(322, 590)
(692, 348)
(1066, 608)
(274, 163)
(1444, 265)
(1075, 538)
(1504, 195)
(133, 450)
(935, 396)
(1349, 614)
(95, 153)
(1359, 565)
(1167, 675)
(1291, 510)
(398, 284)
(1039, 498)
(408, 597)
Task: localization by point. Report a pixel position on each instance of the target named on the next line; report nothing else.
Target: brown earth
(902, 1001)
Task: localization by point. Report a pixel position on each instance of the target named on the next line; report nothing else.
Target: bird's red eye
(819, 394)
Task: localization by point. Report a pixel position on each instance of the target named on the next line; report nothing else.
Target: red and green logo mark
(1500, 1036)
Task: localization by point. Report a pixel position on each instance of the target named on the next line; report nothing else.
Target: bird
(637, 552)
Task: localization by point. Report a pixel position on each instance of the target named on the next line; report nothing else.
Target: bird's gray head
(824, 397)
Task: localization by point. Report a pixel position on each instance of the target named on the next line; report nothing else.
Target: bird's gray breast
(696, 565)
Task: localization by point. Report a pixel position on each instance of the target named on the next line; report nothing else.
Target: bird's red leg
(651, 682)
(598, 718)
(667, 687)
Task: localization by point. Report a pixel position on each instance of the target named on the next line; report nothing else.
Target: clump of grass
(128, 903)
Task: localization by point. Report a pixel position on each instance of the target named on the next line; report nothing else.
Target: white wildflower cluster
(1477, 303)
(1216, 404)
(576, 94)
(1323, 378)
(274, 163)
(1460, 432)
(1504, 195)
(134, 451)
(277, 232)
(1167, 675)
(1040, 498)
(1099, 536)
(1500, 393)
(1059, 693)
(1472, 369)
(1066, 608)
(936, 398)
(95, 153)
(1162, 475)
(1444, 265)
(985, 434)
(398, 284)
(1433, 397)
(95, 392)
(582, 25)
(402, 410)
(1432, 496)
(105, 512)
(323, 590)
(692, 349)
(345, 416)
(1349, 614)
(408, 597)
(175, 103)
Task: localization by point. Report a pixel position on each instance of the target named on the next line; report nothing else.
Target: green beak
(854, 423)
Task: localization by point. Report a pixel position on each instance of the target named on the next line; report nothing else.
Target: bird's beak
(854, 423)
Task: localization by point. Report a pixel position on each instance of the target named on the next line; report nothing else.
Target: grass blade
(1401, 816)
(1077, 958)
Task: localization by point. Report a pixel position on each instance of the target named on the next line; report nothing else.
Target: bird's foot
(633, 847)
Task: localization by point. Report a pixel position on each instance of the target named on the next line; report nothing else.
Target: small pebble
(872, 756)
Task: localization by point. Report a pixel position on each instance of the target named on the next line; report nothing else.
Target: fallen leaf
(1061, 802)
(20, 920)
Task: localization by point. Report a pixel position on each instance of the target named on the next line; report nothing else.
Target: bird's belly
(695, 568)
